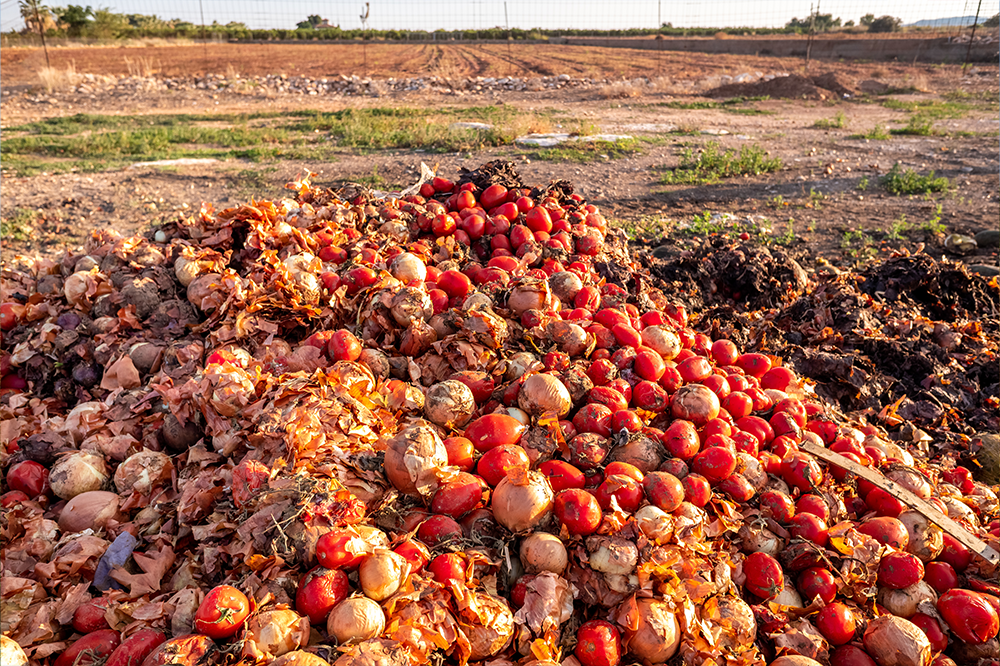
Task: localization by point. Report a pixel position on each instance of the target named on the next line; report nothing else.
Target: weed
(713, 164)
(929, 108)
(777, 201)
(898, 228)
(18, 227)
(247, 183)
(857, 244)
(815, 199)
(649, 226)
(877, 133)
(934, 225)
(863, 183)
(918, 125)
(907, 181)
(788, 237)
(587, 151)
(837, 122)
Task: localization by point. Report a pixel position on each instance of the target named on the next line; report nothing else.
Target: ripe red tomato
(91, 648)
(884, 503)
(594, 417)
(887, 530)
(715, 463)
(801, 471)
(493, 465)
(625, 490)
(344, 346)
(777, 378)
(681, 440)
(319, 591)
(898, 570)
(459, 496)
(837, 623)
(755, 365)
(724, 352)
(817, 582)
(413, 552)
(697, 489)
(222, 612)
(932, 629)
(623, 468)
(578, 511)
(493, 430)
(461, 452)
(29, 477)
(738, 404)
(813, 504)
(851, 655)
(777, 505)
(941, 576)
(954, 553)
(694, 369)
(626, 419)
(341, 549)
(810, 527)
(134, 649)
(437, 529)
(561, 475)
(90, 616)
(598, 644)
(649, 365)
(971, 617)
(448, 568)
(764, 576)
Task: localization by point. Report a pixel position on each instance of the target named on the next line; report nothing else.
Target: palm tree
(37, 17)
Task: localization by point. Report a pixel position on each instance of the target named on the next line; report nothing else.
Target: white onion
(520, 415)
(612, 555)
(926, 538)
(565, 285)
(657, 635)
(529, 294)
(910, 479)
(570, 337)
(788, 596)
(957, 510)
(752, 470)
(409, 305)
(381, 574)
(477, 299)
(641, 451)
(449, 404)
(543, 393)
(893, 641)
(299, 658)
(408, 267)
(355, 619)
(78, 473)
(272, 633)
(520, 363)
(543, 552)
(662, 340)
(905, 602)
(523, 505)
(794, 660)
(655, 523)
(11, 653)
(143, 472)
(758, 539)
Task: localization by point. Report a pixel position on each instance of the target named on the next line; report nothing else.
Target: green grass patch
(839, 121)
(917, 125)
(587, 151)
(712, 164)
(732, 105)
(907, 181)
(18, 226)
(877, 133)
(930, 108)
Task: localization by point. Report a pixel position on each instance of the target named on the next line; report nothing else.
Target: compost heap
(458, 426)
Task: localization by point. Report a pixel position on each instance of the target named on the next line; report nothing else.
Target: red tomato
(458, 496)
(29, 477)
(520, 589)
(817, 582)
(578, 511)
(694, 369)
(813, 504)
(623, 468)
(461, 453)
(715, 463)
(764, 576)
(561, 474)
(10, 314)
(898, 570)
(626, 419)
(602, 371)
(697, 489)
(12, 498)
(724, 352)
(341, 549)
(851, 655)
(954, 553)
(91, 648)
(801, 471)
(737, 487)
(588, 450)
(344, 346)
(886, 530)
(222, 612)
(810, 527)
(941, 576)
(777, 378)
(493, 430)
(598, 644)
(837, 623)
(755, 365)
(493, 196)
(438, 529)
(738, 404)
(651, 397)
(134, 649)
(625, 490)
(932, 629)
(90, 616)
(971, 617)
(777, 505)
(594, 418)
(493, 465)
(319, 591)
(448, 568)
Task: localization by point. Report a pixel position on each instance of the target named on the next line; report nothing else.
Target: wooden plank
(927, 509)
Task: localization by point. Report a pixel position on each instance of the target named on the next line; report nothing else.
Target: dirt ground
(815, 202)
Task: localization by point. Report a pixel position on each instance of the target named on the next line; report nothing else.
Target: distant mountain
(947, 22)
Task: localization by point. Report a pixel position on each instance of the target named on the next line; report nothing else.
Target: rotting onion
(408, 267)
(449, 404)
(89, 510)
(356, 619)
(414, 457)
(657, 635)
(143, 471)
(272, 633)
(905, 602)
(661, 340)
(521, 503)
(381, 574)
(926, 540)
(543, 552)
(655, 523)
(543, 393)
(78, 473)
(894, 641)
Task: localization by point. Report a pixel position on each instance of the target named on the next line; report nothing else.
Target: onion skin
(893, 641)
(794, 660)
(926, 540)
(299, 658)
(11, 653)
(904, 602)
(657, 635)
(520, 507)
(143, 471)
(78, 473)
(449, 404)
(413, 458)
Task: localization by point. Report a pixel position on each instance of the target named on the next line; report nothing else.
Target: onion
(411, 304)
(478, 299)
(731, 621)
(299, 658)
(406, 398)
(957, 510)
(529, 294)
(570, 337)
(543, 552)
(655, 523)
(893, 641)
(657, 635)
(905, 602)
(522, 503)
(641, 451)
(78, 473)
(662, 340)
(543, 393)
(612, 555)
(376, 361)
(272, 633)
(490, 627)
(788, 596)
(89, 510)
(519, 364)
(180, 438)
(146, 357)
(755, 538)
(696, 403)
(407, 267)
(355, 619)
(449, 404)
(794, 660)
(910, 479)
(752, 470)
(414, 457)
(565, 285)
(520, 415)
(11, 653)
(143, 472)
(926, 538)
(810, 436)
(890, 449)
(381, 574)
(187, 270)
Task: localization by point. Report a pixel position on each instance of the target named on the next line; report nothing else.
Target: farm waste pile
(472, 425)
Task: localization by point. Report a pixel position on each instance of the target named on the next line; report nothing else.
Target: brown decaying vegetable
(356, 619)
(893, 641)
(272, 633)
(89, 510)
(523, 504)
(78, 473)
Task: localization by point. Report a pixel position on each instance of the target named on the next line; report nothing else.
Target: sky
(551, 14)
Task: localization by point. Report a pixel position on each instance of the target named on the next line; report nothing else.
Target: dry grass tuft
(142, 66)
(53, 78)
